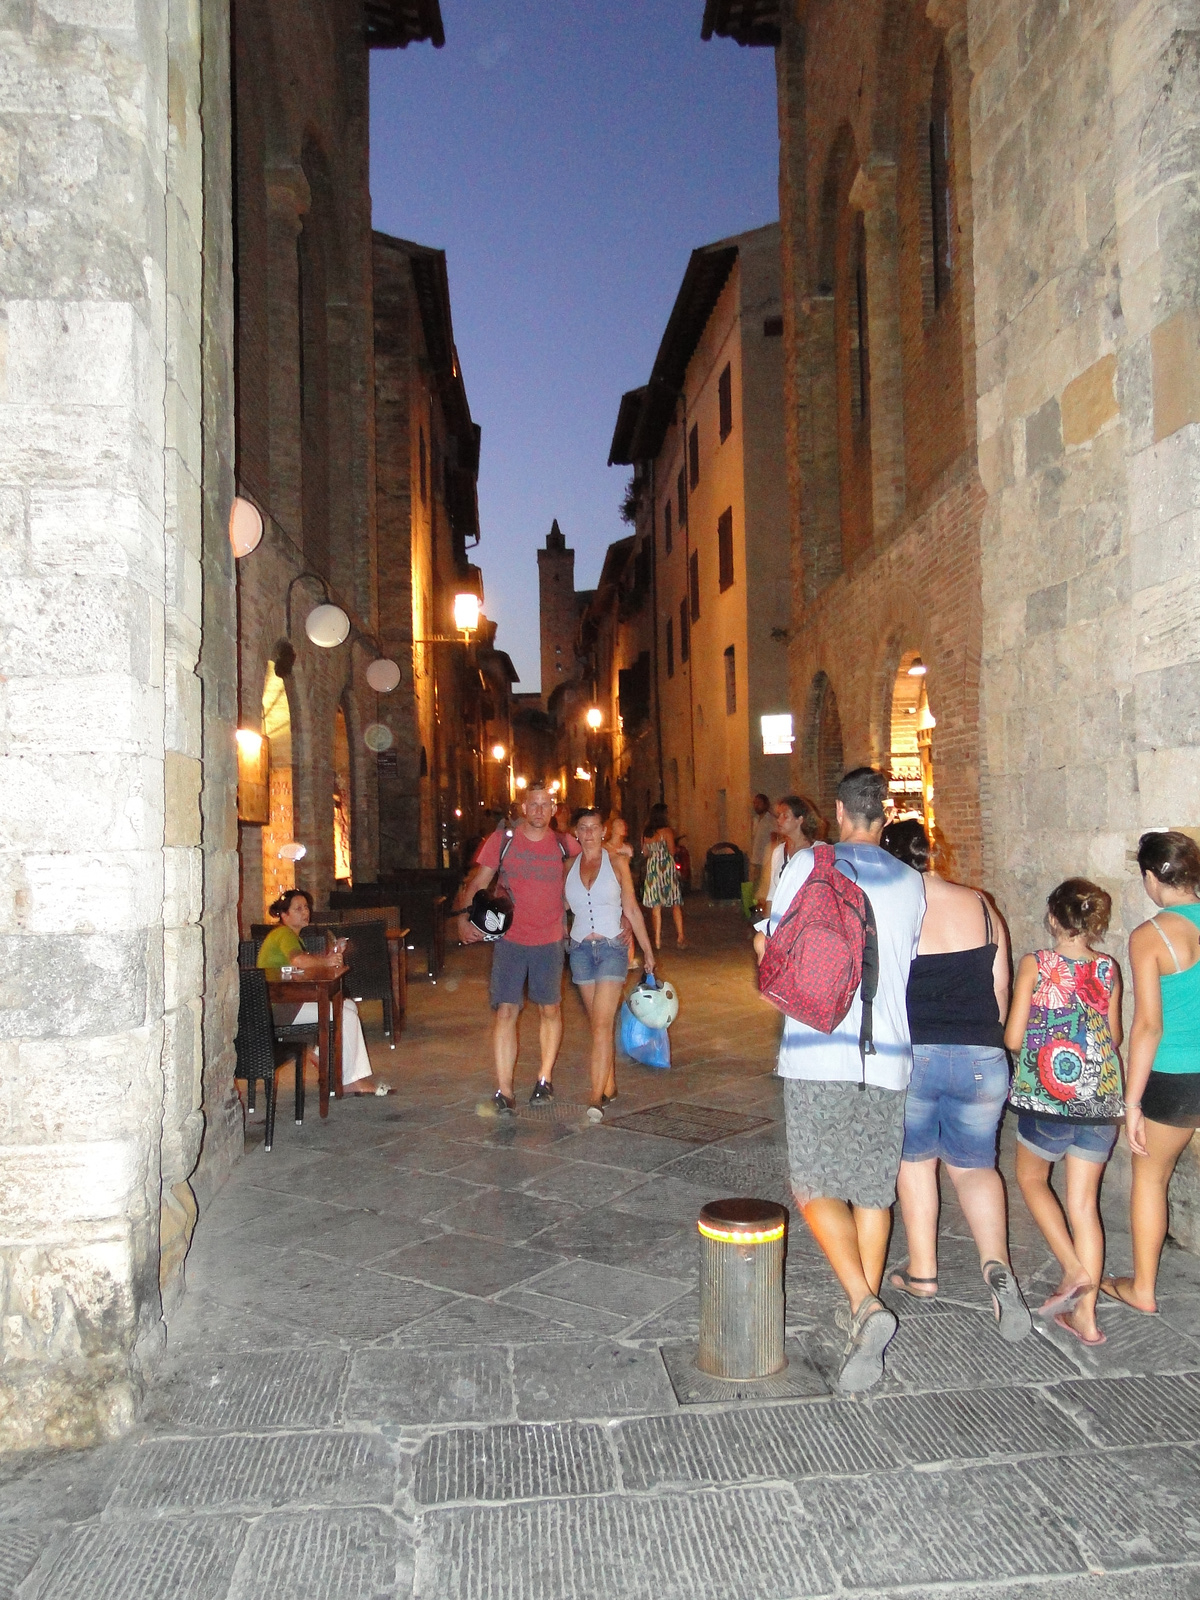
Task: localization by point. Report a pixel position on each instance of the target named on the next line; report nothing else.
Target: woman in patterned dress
(1065, 1022)
(661, 886)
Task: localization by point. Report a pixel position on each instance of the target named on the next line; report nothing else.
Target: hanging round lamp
(245, 527)
(327, 625)
(383, 675)
(292, 851)
(377, 736)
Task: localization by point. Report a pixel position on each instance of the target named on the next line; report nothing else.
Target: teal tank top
(1179, 1047)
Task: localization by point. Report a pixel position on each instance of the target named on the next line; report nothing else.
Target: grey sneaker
(504, 1104)
(542, 1091)
(1012, 1314)
(872, 1329)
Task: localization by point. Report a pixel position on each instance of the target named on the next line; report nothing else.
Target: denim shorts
(1055, 1137)
(513, 964)
(955, 1101)
(598, 960)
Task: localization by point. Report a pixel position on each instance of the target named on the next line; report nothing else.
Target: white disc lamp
(327, 625)
(383, 675)
(918, 669)
(245, 527)
(377, 736)
(292, 851)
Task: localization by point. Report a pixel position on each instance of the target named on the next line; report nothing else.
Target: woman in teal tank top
(1162, 1084)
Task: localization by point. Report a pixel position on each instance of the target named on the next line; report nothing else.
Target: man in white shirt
(760, 838)
(845, 1112)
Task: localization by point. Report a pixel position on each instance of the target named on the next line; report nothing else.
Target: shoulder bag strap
(1167, 942)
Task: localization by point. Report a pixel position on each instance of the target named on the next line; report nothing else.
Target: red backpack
(825, 948)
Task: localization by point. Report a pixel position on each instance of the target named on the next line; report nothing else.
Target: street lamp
(498, 752)
(522, 783)
(594, 717)
(466, 612)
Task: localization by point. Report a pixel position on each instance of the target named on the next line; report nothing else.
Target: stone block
(183, 965)
(106, 713)
(589, 1380)
(1175, 367)
(1089, 402)
(62, 986)
(514, 1461)
(13, 541)
(361, 1554)
(46, 1189)
(91, 532)
(1168, 707)
(1046, 610)
(85, 894)
(182, 778)
(254, 1392)
(190, 1560)
(78, 803)
(420, 1387)
(80, 353)
(1043, 436)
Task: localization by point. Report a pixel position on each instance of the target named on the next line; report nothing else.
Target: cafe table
(323, 985)
(397, 939)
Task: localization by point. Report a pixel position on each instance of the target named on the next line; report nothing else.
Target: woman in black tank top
(957, 998)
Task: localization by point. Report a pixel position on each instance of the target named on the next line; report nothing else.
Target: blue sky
(568, 155)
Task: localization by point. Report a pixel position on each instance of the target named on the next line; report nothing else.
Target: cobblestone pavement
(420, 1356)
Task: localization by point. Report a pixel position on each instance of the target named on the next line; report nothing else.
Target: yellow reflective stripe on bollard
(741, 1235)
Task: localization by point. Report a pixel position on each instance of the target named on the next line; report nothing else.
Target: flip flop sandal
(903, 1280)
(1061, 1304)
(1012, 1314)
(1108, 1288)
(1061, 1322)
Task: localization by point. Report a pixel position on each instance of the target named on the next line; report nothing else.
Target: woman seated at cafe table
(283, 947)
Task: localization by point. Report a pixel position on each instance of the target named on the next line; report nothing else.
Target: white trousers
(356, 1063)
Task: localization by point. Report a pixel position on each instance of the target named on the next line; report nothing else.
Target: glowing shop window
(777, 735)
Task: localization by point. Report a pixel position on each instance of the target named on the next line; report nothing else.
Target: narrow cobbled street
(420, 1354)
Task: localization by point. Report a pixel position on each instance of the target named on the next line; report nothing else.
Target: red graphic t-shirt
(534, 875)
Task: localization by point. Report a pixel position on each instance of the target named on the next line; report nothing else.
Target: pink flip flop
(1061, 1322)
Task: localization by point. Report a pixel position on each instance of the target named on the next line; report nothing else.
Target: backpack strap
(870, 987)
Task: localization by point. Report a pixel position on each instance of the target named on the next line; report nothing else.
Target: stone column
(873, 192)
(288, 198)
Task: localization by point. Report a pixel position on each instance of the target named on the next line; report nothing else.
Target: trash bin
(725, 869)
(741, 1288)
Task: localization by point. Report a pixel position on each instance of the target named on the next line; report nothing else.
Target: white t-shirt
(897, 896)
(760, 839)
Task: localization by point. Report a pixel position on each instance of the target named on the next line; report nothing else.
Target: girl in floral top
(1065, 1025)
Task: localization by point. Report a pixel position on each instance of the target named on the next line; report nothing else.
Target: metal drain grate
(799, 1380)
(676, 1119)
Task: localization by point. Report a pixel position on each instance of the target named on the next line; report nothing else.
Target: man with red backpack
(840, 938)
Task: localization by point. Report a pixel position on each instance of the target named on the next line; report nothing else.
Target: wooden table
(398, 957)
(324, 986)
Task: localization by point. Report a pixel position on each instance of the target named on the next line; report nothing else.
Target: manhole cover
(675, 1119)
(799, 1380)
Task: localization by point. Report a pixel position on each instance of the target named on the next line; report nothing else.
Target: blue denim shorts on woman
(598, 960)
(1055, 1137)
(955, 1101)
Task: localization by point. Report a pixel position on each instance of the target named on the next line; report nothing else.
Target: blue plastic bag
(650, 1046)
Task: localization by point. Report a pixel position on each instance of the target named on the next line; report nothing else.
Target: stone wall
(116, 359)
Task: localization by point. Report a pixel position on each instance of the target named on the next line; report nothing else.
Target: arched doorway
(910, 761)
(341, 799)
(278, 873)
(828, 758)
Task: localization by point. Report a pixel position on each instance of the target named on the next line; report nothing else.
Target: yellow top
(278, 948)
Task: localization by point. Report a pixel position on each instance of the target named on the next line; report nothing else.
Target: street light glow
(522, 783)
(595, 717)
(466, 612)
(499, 752)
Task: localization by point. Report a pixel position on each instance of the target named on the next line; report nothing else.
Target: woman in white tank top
(599, 891)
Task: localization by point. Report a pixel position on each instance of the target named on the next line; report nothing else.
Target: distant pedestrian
(530, 862)
(1162, 1085)
(599, 893)
(797, 825)
(1065, 1022)
(616, 837)
(661, 886)
(957, 1001)
(761, 836)
(845, 1108)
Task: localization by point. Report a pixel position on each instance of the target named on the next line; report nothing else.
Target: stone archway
(278, 873)
(824, 757)
(910, 743)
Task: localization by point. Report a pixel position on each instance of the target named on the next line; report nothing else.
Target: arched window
(941, 196)
(860, 352)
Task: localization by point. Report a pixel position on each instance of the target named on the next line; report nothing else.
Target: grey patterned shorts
(844, 1142)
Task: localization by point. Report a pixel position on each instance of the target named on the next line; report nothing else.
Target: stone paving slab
(965, 1525)
(588, 1380)
(957, 1349)
(633, 1294)
(329, 1555)
(501, 1214)
(616, 1147)
(466, 1322)
(583, 1185)
(471, 1266)
(508, 1169)
(514, 1462)
(257, 1390)
(1133, 1343)
(19, 1549)
(755, 1442)
(975, 1424)
(242, 1472)
(409, 1387)
(312, 1292)
(613, 1238)
(1130, 1507)
(1130, 1411)
(1161, 1583)
(566, 1313)
(680, 1119)
(742, 1544)
(149, 1560)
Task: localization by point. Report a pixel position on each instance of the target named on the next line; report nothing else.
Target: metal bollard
(741, 1289)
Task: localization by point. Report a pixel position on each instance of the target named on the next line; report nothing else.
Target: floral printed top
(1068, 1065)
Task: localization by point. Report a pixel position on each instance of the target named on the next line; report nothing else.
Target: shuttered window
(725, 548)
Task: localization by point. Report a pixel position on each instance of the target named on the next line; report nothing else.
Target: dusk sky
(568, 157)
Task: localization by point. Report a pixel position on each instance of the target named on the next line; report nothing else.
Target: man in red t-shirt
(533, 872)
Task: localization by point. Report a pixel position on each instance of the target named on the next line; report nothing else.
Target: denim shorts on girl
(598, 960)
(1055, 1137)
(955, 1101)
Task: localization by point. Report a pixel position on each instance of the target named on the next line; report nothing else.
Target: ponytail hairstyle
(1172, 858)
(280, 908)
(1081, 907)
(908, 842)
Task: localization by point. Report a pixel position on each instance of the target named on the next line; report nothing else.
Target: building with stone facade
(706, 435)
(187, 295)
(990, 312)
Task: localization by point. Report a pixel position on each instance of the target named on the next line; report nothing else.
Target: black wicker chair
(304, 1034)
(259, 1053)
(370, 974)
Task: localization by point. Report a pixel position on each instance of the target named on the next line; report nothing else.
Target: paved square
(421, 1356)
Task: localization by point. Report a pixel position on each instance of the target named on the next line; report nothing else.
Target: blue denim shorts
(598, 960)
(955, 1101)
(515, 964)
(1055, 1137)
